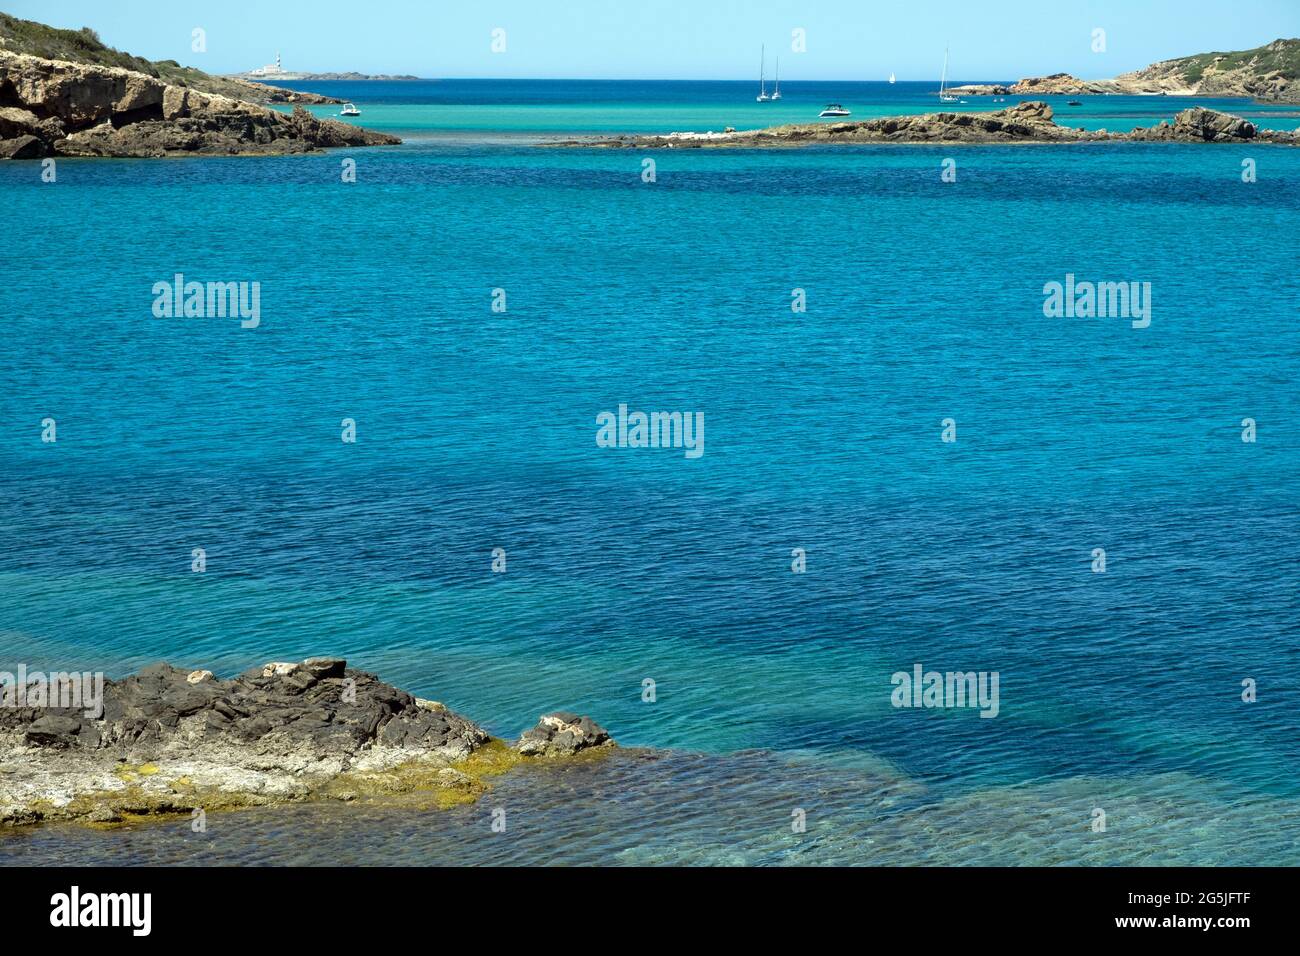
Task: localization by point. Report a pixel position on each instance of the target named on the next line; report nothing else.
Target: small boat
(776, 90)
(762, 81)
(944, 96)
(834, 109)
(892, 78)
(1074, 103)
(349, 110)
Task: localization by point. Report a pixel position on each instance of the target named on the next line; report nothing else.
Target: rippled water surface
(476, 430)
(645, 808)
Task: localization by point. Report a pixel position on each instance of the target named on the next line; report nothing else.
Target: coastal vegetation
(1269, 73)
(85, 47)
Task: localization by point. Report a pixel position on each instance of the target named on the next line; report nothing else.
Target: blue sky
(677, 39)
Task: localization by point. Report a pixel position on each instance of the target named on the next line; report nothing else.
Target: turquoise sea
(1119, 691)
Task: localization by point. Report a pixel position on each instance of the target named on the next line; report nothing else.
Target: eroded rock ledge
(59, 108)
(1031, 122)
(173, 741)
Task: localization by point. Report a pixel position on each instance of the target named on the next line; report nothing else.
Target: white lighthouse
(270, 69)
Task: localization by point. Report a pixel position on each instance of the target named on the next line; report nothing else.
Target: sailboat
(944, 96)
(892, 78)
(776, 90)
(762, 81)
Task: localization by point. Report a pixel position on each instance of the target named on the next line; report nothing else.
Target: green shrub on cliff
(79, 46)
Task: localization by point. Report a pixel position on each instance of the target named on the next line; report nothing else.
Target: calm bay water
(520, 108)
(476, 430)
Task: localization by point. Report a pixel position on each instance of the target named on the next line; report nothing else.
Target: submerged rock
(169, 739)
(76, 109)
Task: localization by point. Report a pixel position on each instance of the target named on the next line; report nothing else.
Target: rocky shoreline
(1266, 74)
(60, 108)
(1031, 122)
(174, 741)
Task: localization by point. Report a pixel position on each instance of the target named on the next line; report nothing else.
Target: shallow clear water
(683, 809)
(513, 108)
(476, 431)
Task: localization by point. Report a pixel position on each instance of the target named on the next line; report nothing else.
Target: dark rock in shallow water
(562, 734)
(165, 709)
(168, 739)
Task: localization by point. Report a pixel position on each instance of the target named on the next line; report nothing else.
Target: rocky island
(175, 741)
(1031, 122)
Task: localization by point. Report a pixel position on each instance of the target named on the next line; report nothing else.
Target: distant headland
(1269, 73)
(275, 71)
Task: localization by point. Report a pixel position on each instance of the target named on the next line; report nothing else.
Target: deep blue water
(476, 430)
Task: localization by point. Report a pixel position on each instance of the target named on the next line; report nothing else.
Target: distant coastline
(286, 77)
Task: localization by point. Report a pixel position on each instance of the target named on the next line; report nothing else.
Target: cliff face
(54, 107)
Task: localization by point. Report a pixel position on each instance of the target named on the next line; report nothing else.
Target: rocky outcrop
(1200, 125)
(562, 734)
(264, 93)
(84, 110)
(1031, 122)
(1062, 84)
(22, 146)
(173, 740)
(980, 89)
